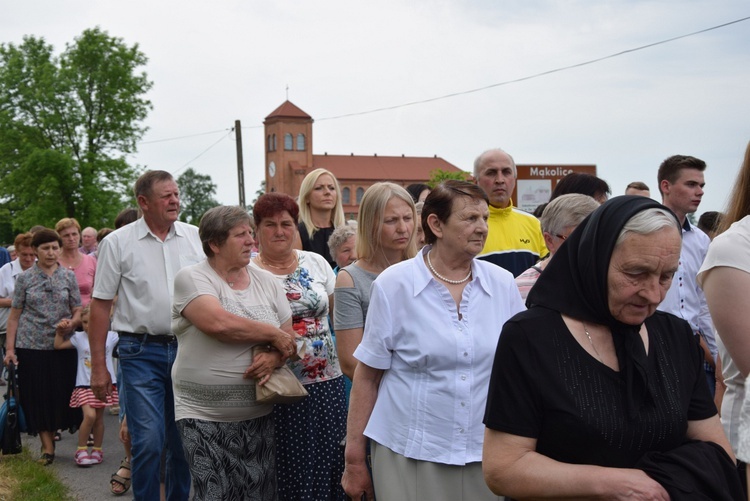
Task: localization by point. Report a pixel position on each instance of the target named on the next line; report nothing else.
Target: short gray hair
(480, 159)
(341, 235)
(216, 223)
(144, 185)
(565, 211)
(647, 222)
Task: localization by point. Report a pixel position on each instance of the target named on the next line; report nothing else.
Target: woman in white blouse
(425, 360)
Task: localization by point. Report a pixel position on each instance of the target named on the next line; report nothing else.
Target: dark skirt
(230, 460)
(46, 380)
(309, 453)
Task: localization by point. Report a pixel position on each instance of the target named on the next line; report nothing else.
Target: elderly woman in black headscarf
(595, 394)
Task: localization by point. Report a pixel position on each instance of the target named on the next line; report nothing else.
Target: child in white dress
(93, 408)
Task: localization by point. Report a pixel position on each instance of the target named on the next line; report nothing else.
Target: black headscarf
(574, 283)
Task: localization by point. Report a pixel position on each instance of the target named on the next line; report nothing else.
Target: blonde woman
(320, 212)
(385, 236)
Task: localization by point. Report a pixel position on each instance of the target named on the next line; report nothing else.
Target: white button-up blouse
(433, 393)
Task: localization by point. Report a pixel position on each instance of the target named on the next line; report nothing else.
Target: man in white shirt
(681, 183)
(138, 263)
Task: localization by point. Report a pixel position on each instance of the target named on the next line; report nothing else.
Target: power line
(203, 152)
(470, 91)
(536, 75)
(182, 137)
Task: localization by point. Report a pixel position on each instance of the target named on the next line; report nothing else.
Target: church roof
(382, 168)
(288, 110)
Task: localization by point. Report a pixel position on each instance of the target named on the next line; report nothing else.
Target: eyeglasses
(561, 237)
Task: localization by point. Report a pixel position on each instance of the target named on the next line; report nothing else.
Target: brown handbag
(282, 387)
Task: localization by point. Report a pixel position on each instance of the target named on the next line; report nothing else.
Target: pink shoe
(82, 458)
(96, 457)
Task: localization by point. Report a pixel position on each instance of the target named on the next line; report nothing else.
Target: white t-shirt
(8, 274)
(732, 249)
(80, 341)
(207, 373)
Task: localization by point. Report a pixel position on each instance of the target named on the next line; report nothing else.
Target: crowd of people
(452, 346)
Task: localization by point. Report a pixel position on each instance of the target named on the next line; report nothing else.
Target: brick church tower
(288, 148)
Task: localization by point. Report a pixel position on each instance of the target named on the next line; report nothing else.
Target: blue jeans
(120, 391)
(146, 370)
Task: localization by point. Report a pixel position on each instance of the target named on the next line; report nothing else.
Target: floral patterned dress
(46, 376)
(309, 455)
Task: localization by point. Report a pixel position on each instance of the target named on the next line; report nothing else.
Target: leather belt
(150, 338)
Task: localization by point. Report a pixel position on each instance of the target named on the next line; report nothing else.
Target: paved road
(90, 483)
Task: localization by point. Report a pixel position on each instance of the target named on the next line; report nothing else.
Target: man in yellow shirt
(515, 240)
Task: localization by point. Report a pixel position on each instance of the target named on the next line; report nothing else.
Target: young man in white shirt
(681, 183)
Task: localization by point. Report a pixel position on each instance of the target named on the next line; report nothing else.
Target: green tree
(197, 193)
(66, 124)
(260, 191)
(439, 175)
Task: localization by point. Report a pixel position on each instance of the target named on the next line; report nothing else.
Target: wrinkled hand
(101, 382)
(356, 481)
(635, 484)
(263, 366)
(285, 344)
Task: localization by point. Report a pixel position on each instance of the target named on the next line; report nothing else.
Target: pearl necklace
(441, 277)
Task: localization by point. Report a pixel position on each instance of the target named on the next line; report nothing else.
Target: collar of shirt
(142, 230)
(501, 211)
(15, 268)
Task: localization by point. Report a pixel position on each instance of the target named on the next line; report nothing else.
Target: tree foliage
(437, 176)
(258, 193)
(66, 124)
(197, 193)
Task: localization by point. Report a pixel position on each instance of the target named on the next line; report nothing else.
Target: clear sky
(215, 62)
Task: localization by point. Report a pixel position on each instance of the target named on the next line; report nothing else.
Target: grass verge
(21, 478)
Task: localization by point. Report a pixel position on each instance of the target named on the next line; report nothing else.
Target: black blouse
(546, 386)
(318, 243)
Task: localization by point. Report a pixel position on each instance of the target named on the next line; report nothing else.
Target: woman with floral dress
(46, 299)
(309, 454)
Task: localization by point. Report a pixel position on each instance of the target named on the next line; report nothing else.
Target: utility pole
(240, 165)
